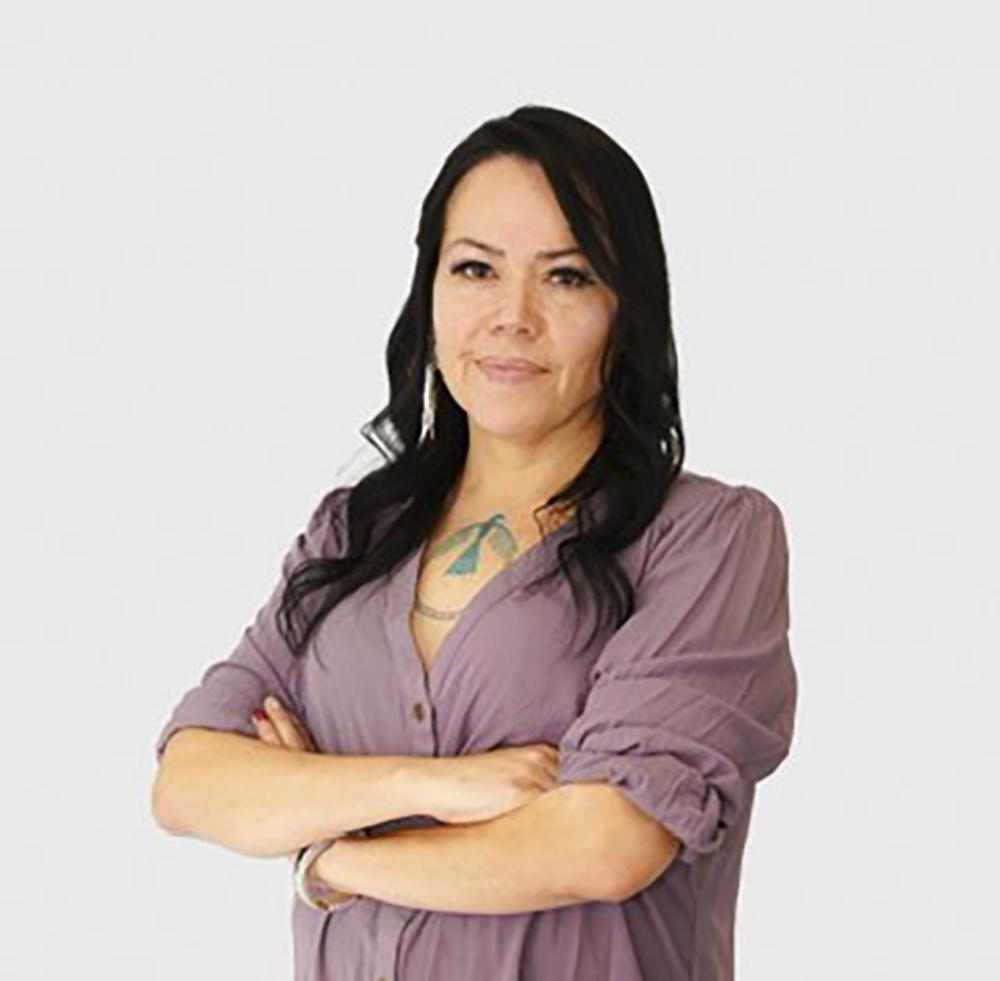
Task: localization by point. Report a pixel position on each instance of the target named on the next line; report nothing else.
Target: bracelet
(321, 899)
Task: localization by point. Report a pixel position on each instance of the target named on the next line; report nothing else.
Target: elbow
(647, 868)
(188, 798)
(614, 857)
(651, 849)
(178, 788)
(159, 808)
(162, 796)
(633, 867)
(630, 849)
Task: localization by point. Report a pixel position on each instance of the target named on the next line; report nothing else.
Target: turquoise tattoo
(492, 530)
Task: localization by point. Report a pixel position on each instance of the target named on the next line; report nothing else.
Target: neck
(522, 474)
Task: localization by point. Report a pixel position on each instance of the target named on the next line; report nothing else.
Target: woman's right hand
(481, 786)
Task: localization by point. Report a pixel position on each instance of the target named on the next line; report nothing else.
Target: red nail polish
(259, 715)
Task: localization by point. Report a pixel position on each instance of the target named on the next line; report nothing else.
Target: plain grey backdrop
(207, 214)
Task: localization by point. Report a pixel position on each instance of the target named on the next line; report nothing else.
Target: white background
(207, 214)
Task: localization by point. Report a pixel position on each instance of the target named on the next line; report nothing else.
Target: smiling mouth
(494, 361)
(509, 371)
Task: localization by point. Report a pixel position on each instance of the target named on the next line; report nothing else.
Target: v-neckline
(499, 585)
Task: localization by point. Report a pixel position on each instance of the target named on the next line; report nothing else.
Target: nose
(517, 310)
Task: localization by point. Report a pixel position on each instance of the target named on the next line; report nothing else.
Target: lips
(510, 364)
(510, 371)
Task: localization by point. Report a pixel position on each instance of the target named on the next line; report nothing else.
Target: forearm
(540, 856)
(266, 801)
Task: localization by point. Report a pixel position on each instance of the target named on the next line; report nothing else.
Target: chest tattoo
(493, 530)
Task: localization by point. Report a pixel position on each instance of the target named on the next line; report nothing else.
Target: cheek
(453, 319)
(443, 305)
(582, 345)
(578, 380)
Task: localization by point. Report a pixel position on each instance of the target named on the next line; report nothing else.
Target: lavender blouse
(684, 708)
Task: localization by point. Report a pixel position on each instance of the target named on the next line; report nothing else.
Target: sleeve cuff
(674, 794)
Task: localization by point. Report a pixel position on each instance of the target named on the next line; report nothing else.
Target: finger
(550, 757)
(306, 740)
(303, 732)
(281, 719)
(267, 732)
(551, 763)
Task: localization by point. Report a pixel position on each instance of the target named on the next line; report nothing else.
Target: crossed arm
(575, 843)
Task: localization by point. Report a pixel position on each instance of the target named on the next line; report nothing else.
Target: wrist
(322, 872)
(316, 885)
(418, 780)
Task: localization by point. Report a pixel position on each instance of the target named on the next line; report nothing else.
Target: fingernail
(259, 715)
(271, 702)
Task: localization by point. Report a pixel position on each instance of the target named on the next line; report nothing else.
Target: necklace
(421, 607)
(493, 527)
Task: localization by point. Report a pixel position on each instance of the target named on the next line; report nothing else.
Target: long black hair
(611, 213)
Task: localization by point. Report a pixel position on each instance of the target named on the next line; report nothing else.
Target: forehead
(506, 202)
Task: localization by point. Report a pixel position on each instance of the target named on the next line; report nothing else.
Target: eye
(460, 268)
(578, 278)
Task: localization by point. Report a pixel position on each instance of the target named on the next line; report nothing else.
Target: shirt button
(418, 711)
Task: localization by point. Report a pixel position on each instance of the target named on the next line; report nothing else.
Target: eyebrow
(549, 254)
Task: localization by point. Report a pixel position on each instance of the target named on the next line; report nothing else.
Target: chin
(507, 425)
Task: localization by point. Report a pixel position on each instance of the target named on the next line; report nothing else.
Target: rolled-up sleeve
(261, 663)
(692, 699)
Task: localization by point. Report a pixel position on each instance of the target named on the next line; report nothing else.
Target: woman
(532, 665)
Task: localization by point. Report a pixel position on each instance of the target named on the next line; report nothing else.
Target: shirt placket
(419, 726)
(420, 716)
(391, 922)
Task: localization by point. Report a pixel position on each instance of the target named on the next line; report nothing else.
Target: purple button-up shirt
(684, 708)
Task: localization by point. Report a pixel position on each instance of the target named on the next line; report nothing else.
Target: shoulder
(695, 494)
(699, 507)
(326, 528)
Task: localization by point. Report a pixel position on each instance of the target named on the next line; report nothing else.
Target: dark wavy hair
(610, 210)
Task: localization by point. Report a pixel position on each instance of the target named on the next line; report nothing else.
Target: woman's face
(504, 298)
